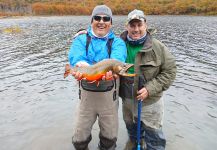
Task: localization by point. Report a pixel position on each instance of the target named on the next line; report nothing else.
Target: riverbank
(23, 16)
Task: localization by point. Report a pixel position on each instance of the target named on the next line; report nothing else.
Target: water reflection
(38, 105)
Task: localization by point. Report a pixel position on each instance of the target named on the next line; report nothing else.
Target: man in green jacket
(156, 70)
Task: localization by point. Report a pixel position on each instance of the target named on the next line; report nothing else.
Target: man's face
(101, 25)
(136, 29)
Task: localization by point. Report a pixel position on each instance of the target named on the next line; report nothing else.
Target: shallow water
(38, 105)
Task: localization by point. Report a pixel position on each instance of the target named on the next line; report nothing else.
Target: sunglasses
(104, 18)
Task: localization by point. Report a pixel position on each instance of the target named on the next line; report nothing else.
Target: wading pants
(151, 117)
(93, 105)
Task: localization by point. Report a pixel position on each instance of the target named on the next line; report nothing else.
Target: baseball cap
(136, 14)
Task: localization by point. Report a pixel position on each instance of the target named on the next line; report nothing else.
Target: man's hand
(142, 94)
(109, 76)
(77, 75)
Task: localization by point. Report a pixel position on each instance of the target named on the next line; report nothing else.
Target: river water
(38, 106)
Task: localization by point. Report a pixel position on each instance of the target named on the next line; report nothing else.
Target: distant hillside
(119, 7)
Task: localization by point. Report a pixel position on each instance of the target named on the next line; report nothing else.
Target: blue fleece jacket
(97, 49)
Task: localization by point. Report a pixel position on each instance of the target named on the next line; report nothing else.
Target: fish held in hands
(94, 73)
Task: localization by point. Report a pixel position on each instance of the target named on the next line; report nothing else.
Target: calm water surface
(38, 106)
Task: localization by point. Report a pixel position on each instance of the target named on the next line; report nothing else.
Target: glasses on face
(104, 18)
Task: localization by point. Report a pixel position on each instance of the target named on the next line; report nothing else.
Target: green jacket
(157, 66)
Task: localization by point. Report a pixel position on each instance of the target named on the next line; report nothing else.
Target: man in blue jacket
(97, 101)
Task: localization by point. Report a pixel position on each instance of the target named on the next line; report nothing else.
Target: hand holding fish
(110, 76)
(78, 75)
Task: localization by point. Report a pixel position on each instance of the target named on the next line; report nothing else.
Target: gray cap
(136, 14)
(102, 9)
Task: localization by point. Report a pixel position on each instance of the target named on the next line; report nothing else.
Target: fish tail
(67, 70)
(92, 81)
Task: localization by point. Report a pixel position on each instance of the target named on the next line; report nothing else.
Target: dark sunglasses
(104, 18)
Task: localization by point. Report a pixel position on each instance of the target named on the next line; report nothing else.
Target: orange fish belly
(96, 77)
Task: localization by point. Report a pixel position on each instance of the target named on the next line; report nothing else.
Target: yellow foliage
(119, 7)
(12, 29)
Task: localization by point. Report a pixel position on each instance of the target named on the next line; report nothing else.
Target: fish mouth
(128, 74)
(126, 67)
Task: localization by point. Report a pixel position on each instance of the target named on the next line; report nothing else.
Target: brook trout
(94, 73)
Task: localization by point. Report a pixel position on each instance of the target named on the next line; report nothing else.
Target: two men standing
(156, 70)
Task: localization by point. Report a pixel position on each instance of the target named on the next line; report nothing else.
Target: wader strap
(87, 42)
(115, 91)
(79, 91)
(115, 84)
(108, 44)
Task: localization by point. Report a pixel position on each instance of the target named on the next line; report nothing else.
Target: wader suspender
(115, 92)
(79, 91)
(108, 44)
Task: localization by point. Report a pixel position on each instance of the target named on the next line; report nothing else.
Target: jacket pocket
(150, 69)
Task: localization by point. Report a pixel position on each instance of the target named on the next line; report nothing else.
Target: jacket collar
(148, 42)
(110, 35)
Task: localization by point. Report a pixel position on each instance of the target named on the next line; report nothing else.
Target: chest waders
(97, 102)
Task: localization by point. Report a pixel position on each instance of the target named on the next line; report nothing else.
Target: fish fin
(92, 81)
(65, 75)
(97, 83)
(67, 70)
